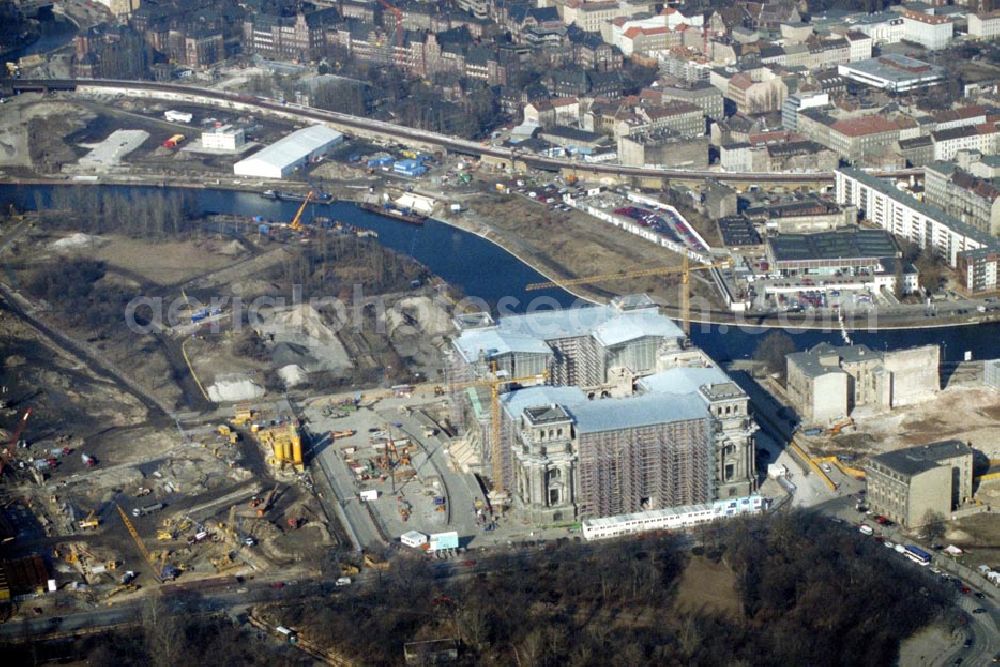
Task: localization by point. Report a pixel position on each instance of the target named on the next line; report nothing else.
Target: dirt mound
(302, 319)
(301, 337)
(234, 247)
(707, 586)
(292, 375)
(14, 360)
(287, 354)
(252, 288)
(76, 241)
(234, 387)
(431, 319)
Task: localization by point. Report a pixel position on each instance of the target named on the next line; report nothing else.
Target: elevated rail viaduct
(507, 159)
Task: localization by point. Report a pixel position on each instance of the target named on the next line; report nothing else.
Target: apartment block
(959, 193)
(979, 270)
(984, 25)
(862, 138)
(882, 27)
(299, 37)
(903, 216)
(930, 31)
(701, 94)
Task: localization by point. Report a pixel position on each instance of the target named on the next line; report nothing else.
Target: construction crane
(8, 452)
(266, 503)
(296, 224)
(392, 457)
(231, 523)
(138, 542)
(495, 382)
(684, 270)
(399, 20)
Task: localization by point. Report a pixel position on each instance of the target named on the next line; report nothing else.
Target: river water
(489, 272)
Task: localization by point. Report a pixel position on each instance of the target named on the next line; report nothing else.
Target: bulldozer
(224, 563)
(91, 521)
(375, 562)
(349, 569)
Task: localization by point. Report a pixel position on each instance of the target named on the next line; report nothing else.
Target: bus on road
(917, 555)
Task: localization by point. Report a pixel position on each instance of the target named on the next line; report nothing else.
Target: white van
(344, 581)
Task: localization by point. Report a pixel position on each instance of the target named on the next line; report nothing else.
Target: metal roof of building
(634, 325)
(895, 67)
(616, 414)
(853, 244)
(295, 146)
(515, 402)
(594, 320)
(682, 380)
(491, 342)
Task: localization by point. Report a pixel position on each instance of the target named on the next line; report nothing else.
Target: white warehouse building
(283, 157)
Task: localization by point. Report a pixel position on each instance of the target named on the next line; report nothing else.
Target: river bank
(541, 263)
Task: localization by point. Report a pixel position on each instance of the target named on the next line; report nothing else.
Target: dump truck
(174, 141)
(148, 509)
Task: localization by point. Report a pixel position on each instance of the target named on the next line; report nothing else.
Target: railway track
(403, 133)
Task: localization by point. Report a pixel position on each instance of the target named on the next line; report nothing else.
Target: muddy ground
(321, 351)
(572, 244)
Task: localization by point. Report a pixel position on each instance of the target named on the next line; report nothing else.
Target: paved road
(345, 501)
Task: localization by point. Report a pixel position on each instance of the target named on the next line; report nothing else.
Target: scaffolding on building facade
(660, 465)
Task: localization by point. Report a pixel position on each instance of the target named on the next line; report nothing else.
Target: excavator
(262, 505)
(8, 452)
(91, 521)
(840, 426)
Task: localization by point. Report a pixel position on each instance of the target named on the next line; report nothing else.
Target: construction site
(135, 458)
(149, 506)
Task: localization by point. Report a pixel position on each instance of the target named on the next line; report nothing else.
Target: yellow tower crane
(685, 270)
(495, 382)
(296, 224)
(138, 542)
